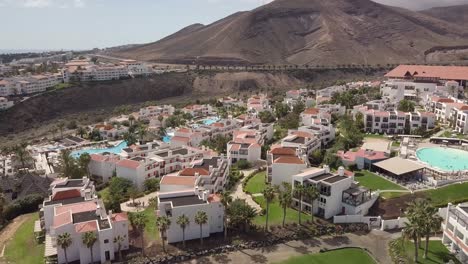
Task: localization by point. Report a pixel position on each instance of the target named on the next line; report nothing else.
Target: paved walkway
(376, 242)
(143, 201)
(240, 194)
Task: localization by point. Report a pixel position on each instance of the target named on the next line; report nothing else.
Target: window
(106, 241)
(323, 200)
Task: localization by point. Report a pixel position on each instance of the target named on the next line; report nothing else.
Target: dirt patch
(393, 208)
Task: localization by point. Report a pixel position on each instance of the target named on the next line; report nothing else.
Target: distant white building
(5, 104)
(153, 112)
(188, 203)
(21, 85)
(199, 110)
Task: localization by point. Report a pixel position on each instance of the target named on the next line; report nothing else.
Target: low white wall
(389, 224)
(348, 219)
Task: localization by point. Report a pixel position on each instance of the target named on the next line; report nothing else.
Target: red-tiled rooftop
(183, 139)
(86, 227)
(288, 160)
(131, 164)
(68, 194)
(192, 171)
(441, 72)
(214, 198)
(283, 151)
(178, 180)
(311, 111)
(117, 217)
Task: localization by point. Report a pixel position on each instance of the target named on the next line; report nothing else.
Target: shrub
(25, 205)
(243, 164)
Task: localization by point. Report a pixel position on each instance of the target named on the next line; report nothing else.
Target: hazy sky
(82, 24)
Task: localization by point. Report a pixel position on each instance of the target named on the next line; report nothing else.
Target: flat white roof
(399, 166)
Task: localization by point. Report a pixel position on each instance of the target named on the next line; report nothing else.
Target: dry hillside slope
(307, 32)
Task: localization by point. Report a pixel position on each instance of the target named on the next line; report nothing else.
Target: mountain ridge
(307, 32)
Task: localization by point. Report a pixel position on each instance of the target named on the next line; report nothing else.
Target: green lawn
(276, 213)
(23, 247)
(395, 144)
(455, 193)
(375, 182)
(256, 184)
(437, 253)
(104, 193)
(151, 232)
(347, 255)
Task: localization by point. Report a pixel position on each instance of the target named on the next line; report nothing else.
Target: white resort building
(188, 203)
(338, 193)
(74, 208)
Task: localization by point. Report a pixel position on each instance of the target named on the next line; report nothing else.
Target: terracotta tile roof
(177, 138)
(218, 124)
(235, 147)
(311, 111)
(76, 208)
(288, 160)
(192, 171)
(283, 151)
(86, 227)
(117, 217)
(66, 195)
(97, 157)
(442, 100)
(62, 219)
(184, 130)
(178, 180)
(441, 72)
(212, 198)
(302, 134)
(348, 173)
(131, 164)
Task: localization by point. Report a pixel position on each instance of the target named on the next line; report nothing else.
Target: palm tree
(431, 225)
(226, 199)
(64, 241)
(269, 195)
(53, 131)
(299, 191)
(285, 198)
(142, 131)
(163, 223)
(183, 221)
(119, 240)
(89, 239)
(67, 163)
(84, 161)
(22, 154)
(81, 131)
(201, 218)
(311, 194)
(131, 119)
(60, 127)
(412, 230)
(139, 221)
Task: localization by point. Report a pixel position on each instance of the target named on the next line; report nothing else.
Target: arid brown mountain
(307, 32)
(454, 14)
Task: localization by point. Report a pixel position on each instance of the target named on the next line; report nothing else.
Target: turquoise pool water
(167, 139)
(210, 120)
(446, 159)
(115, 150)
